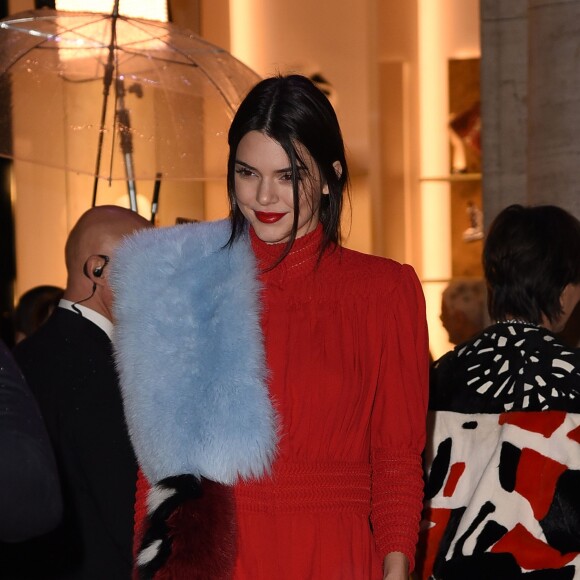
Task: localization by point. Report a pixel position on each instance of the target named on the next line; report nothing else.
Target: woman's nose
(266, 192)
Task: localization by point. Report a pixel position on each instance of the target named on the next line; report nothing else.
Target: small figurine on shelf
(475, 230)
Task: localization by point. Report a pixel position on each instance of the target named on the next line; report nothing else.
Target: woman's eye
(288, 176)
(243, 172)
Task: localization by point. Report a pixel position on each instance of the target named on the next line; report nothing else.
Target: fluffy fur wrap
(189, 353)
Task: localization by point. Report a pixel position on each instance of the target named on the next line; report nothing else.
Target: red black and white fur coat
(503, 459)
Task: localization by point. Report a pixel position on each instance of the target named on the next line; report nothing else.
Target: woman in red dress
(346, 351)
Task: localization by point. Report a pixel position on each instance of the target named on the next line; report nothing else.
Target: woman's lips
(267, 217)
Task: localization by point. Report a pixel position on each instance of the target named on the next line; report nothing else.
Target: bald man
(68, 364)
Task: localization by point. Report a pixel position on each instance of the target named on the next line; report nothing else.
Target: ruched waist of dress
(313, 487)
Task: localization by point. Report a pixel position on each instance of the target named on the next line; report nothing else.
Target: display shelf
(453, 177)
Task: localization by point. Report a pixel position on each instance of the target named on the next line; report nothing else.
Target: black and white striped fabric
(189, 531)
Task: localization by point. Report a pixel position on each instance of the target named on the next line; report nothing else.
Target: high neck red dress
(347, 349)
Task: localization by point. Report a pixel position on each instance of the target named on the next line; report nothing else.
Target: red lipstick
(267, 217)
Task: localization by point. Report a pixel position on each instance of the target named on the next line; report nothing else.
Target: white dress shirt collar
(101, 321)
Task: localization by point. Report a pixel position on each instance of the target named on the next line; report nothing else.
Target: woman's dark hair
(292, 111)
(530, 255)
(34, 307)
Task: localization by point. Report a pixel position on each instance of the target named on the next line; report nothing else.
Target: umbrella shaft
(131, 188)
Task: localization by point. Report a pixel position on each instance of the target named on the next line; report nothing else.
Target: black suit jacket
(69, 366)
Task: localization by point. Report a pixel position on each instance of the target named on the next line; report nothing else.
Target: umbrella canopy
(115, 97)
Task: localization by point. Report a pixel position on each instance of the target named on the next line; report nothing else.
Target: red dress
(347, 348)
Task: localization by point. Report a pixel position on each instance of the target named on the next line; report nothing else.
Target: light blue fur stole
(189, 353)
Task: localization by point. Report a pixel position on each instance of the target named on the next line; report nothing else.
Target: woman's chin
(270, 234)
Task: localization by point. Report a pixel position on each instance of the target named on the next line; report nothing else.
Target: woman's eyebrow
(246, 165)
(283, 170)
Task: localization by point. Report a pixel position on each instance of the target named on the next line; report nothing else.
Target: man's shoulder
(64, 342)
(57, 332)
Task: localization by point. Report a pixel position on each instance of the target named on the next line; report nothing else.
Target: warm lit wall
(20, 6)
(214, 26)
(395, 134)
(447, 29)
(41, 226)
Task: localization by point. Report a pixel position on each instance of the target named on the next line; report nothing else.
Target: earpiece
(98, 271)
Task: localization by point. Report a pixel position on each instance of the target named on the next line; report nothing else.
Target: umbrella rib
(142, 26)
(189, 59)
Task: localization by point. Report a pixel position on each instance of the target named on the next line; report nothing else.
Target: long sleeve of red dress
(398, 413)
(347, 350)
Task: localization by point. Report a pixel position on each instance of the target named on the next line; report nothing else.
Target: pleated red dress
(347, 349)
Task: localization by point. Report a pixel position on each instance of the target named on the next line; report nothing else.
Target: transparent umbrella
(114, 97)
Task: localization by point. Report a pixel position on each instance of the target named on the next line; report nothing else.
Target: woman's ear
(338, 170)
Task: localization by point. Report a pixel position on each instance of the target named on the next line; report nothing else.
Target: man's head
(90, 247)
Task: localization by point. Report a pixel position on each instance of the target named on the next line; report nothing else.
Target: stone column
(554, 103)
(504, 88)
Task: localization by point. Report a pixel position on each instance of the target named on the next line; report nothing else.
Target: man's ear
(338, 170)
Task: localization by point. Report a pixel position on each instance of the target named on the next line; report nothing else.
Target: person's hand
(396, 566)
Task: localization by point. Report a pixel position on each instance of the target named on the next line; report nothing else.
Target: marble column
(530, 103)
(554, 103)
(504, 87)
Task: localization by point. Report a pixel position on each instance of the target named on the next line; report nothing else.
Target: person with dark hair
(30, 498)
(503, 456)
(534, 279)
(33, 309)
(294, 382)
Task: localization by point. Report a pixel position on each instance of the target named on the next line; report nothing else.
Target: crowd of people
(249, 399)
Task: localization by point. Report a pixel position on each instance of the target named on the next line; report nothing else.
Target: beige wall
(394, 105)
